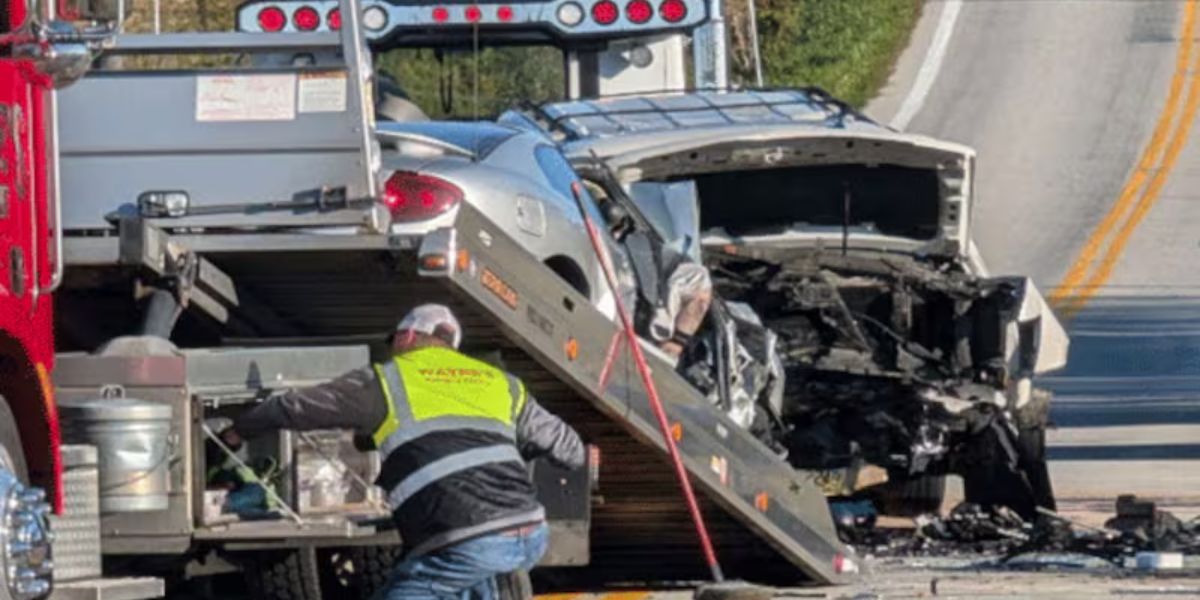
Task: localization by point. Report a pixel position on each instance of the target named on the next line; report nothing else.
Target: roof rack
(665, 111)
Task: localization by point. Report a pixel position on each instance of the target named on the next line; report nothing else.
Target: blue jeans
(466, 570)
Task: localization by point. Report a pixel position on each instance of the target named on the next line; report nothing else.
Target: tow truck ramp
(567, 336)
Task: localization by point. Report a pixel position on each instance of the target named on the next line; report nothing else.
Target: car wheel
(992, 479)
(1031, 452)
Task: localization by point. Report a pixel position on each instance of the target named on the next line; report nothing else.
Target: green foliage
(844, 46)
(443, 83)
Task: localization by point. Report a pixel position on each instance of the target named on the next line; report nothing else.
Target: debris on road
(1140, 535)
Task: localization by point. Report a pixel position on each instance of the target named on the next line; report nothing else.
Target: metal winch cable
(685, 485)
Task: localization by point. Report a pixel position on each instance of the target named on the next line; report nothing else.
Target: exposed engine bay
(885, 358)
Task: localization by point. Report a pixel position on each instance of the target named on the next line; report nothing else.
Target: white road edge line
(930, 67)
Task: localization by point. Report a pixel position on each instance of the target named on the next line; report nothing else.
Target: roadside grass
(847, 47)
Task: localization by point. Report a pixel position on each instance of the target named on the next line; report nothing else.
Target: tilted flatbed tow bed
(558, 342)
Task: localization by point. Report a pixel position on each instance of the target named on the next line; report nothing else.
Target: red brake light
(504, 14)
(606, 12)
(334, 18)
(271, 19)
(639, 11)
(441, 14)
(306, 18)
(673, 11)
(414, 197)
(473, 14)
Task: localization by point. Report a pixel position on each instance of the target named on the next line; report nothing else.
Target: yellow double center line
(1104, 247)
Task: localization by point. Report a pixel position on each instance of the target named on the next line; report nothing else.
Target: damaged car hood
(903, 192)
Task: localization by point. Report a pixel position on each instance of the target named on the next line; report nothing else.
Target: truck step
(123, 588)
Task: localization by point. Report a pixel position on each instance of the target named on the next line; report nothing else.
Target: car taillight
(306, 18)
(334, 18)
(272, 19)
(673, 11)
(639, 11)
(415, 197)
(606, 12)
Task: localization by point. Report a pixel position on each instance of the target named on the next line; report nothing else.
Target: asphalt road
(1087, 181)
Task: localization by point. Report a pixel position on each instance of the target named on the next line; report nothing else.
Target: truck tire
(282, 574)
(12, 456)
(907, 495)
(19, 502)
(358, 571)
(514, 586)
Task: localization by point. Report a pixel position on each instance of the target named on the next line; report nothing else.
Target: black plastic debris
(1139, 526)
(1140, 522)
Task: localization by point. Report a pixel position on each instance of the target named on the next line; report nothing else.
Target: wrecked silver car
(851, 243)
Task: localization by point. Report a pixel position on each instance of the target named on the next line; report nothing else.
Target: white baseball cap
(428, 319)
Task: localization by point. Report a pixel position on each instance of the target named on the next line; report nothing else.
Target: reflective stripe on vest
(449, 465)
(435, 390)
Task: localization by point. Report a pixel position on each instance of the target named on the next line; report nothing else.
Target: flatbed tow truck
(236, 212)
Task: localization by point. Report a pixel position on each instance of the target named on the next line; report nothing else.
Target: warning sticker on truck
(246, 97)
(322, 92)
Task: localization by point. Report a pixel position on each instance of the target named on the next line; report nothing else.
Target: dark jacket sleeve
(353, 401)
(540, 433)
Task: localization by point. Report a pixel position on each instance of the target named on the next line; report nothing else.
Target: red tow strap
(685, 485)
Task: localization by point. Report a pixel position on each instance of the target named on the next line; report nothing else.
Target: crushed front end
(908, 363)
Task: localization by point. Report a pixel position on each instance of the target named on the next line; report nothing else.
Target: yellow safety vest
(439, 390)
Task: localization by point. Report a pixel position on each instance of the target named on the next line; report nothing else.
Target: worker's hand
(231, 438)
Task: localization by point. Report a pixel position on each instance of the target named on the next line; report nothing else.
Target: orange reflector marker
(762, 501)
(464, 261)
(730, 249)
(677, 432)
(54, 435)
(497, 286)
(572, 349)
(434, 262)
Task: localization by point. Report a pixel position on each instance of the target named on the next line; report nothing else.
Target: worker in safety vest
(454, 436)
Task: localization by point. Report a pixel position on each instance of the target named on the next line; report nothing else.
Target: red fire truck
(43, 46)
